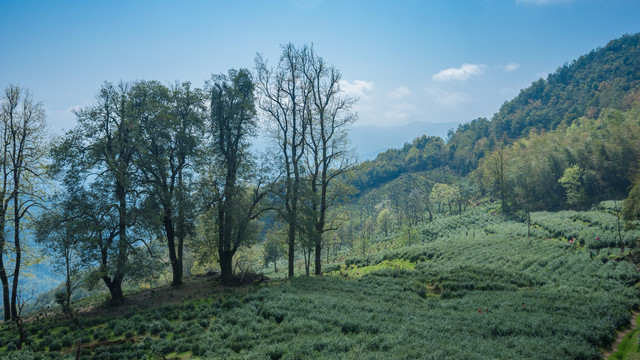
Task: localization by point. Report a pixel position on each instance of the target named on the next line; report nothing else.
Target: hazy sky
(430, 61)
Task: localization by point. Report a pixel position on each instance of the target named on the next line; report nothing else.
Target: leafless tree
(284, 97)
(328, 154)
(23, 151)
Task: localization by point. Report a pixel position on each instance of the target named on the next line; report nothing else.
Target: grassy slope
(417, 301)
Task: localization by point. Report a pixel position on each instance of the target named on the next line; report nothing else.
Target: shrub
(142, 328)
(55, 346)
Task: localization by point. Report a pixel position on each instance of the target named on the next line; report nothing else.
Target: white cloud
(399, 112)
(462, 73)
(449, 99)
(358, 88)
(399, 93)
(511, 67)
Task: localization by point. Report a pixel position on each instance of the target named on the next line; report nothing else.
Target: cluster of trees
(577, 166)
(309, 119)
(153, 171)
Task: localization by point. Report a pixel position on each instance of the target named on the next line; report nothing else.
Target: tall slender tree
(235, 187)
(23, 151)
(328, 153)
(284, 97)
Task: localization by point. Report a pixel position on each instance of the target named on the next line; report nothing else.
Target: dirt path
(621, 335)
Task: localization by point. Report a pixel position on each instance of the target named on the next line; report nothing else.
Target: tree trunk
(66, 307)
(175, 264)
(318, 257)
(5, 292)
(18, 252)
(3, 277)
(115, 289)
(292, 244)
(226, 267)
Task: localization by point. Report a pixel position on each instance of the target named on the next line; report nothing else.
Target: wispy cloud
(358, 88)
(399, 93)
(448, 99)
(462, 73)
(399, 112)
(511, 67)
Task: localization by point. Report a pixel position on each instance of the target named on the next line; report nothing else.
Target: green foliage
(631, 206)
(571, 181)
(603, 78)
(384, 221)
(599, 153)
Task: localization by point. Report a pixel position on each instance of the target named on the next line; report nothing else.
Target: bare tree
(284, 98)
(328, 155)
(23, 151)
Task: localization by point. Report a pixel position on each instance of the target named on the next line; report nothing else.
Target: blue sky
(428, 61)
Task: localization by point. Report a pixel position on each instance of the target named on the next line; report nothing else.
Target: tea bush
(475, 287)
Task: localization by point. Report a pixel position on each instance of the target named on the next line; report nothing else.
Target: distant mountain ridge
(370, 140)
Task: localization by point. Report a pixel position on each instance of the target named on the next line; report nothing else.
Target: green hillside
(471, 287)
(605, 78)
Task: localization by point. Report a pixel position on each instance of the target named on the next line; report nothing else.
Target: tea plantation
(474, 287)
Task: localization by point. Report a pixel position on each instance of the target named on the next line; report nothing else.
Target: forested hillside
(606, 78)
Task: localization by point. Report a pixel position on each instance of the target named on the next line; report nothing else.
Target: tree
(571, 180)
(496, 176)
(444, 194)
(525, 174)
(631, 205)
(273, 246)
(234, 187)
(328, 155)
(416, 206)
(284, 98)
(365, 234)
(384, 221)
(169, 120)
(22, 162)
(60, 237)
(101, 151)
